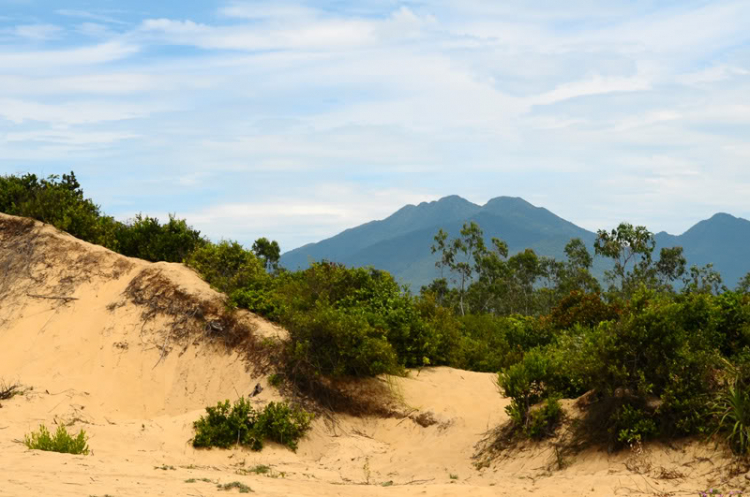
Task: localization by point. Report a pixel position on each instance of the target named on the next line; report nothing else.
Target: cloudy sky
(297, 120)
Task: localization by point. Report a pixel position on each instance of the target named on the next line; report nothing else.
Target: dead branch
(52, 297)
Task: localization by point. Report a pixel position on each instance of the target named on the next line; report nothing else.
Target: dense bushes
(57, 201)
(146, 238)
(226, 425)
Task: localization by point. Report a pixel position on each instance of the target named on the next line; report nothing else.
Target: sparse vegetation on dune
(226, 425)
(61, 441)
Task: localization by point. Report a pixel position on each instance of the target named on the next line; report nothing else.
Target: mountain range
(400, 244)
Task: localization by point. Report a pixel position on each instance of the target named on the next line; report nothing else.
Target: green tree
(704, 279)
(744, 285)
(631, 248)
(269, 252)
(461, 256)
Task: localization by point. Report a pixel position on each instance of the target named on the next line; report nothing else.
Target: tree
(744, 285)
(631, 249)
(461, 256)
(575, 274)
(703, 279)
(269, 252)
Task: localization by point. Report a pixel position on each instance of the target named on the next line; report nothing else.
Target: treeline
(660, 349)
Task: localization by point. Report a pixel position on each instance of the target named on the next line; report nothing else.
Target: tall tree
(269, 252)
(461, 256)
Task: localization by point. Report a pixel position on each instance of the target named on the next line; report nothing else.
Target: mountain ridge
(400, 243)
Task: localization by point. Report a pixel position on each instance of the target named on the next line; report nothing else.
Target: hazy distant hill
(401, 243)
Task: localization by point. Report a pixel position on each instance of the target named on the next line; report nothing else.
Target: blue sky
(298, 120)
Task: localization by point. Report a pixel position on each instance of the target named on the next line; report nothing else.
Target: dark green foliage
(226, 425)
(60, 442)
(544, 420)
(146, 238)
(525, 384)
(632, 425)
(336, 342)
(283, 424)
(229, 267)
(585, 309)
(269, 252)
(59, 202)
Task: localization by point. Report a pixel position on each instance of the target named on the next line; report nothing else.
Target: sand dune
(78, 328)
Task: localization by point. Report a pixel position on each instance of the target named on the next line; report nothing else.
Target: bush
(732, 406)
(632, 425)
(61, 442)
(283, 424)
(544, 420)
(226, 425)
(146, 238)
(56, 201)
(228, 267)
(327, 341)
(524, 383)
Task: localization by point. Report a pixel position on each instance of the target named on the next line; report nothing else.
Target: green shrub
(331, 342)
(61, 442)
(59, 202)
(732, 406)
(283, 424)
(632, 425)
(524, 383)
(543, 421)
(146, 238)
(228, 267)
(584, 309)
(226, 425)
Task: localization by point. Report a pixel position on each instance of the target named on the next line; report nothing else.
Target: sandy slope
(136, 387)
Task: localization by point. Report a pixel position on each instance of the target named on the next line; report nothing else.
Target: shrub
(544, 420)
(61, 442)
(326, 341)
(283, 424)
(585, 309)
(56, 201)
(228, 267)
(732, 409)
(146, 238)
(632, 425)
(226, 425)
(524, 383)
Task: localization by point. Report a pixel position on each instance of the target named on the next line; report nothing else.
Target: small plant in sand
(226, 425)
(718, 493)
(244, 489)
(60, 442)
(9, 390)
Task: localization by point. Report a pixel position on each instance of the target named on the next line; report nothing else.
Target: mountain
(723, 240)
(400, 244)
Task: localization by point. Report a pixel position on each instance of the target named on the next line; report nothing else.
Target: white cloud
(69, 137)
(71, 113)
(596, 85)
(82, 56)
(36, 32)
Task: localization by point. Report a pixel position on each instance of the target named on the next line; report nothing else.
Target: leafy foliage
(60, 442)
(239, 424)
(146, 238)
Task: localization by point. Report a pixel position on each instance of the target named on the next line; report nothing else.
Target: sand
(89, 360)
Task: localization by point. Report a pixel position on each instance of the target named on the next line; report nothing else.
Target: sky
(298, 120)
